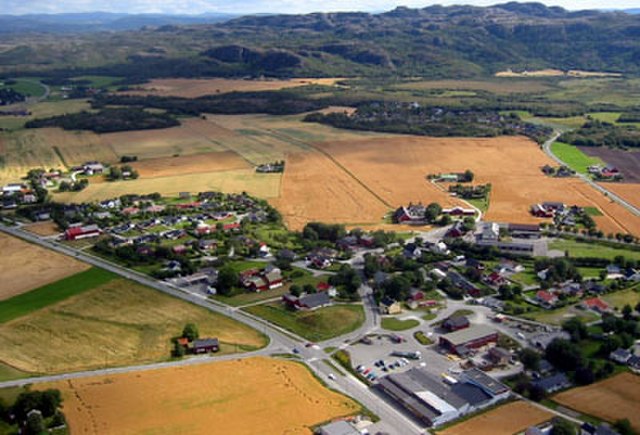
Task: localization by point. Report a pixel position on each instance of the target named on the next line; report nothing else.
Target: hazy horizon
(198, 7)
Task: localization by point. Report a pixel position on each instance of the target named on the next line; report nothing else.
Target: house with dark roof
(553, 383)
(455, 323)
(205, 345)
(307, 302)
(621, 356)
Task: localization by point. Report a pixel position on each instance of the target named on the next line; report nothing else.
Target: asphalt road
(547, 149)
(280, 341)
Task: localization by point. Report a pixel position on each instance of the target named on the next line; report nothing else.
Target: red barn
(82, 232)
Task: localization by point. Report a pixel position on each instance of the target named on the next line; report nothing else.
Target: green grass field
(621, 298)
(28, 87)
(582, 249)
(49, 294)
(573, 157)
(8, 373)
(318, 325)
(393, 324)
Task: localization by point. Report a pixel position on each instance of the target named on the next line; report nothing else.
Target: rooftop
(465, 335)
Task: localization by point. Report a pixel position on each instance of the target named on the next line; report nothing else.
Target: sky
(19, 7)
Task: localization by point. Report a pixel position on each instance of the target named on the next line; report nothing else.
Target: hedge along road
(279, 340)
(547, 149)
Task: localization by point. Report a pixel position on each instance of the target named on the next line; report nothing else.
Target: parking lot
(370, 356)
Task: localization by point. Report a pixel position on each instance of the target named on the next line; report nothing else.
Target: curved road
(547, 149)
(280, 341)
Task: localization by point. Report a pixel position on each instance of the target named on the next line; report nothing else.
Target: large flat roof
(463, 336)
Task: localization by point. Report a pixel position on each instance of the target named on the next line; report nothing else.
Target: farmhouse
(538, 210)
(464, 341)
(459, 211)
(266, 279)
(413, 213)
(621, 356)
(434, 403)
(92, 168)
(205, 345)
(524, 231)
(309, 302)
(546, 299)
(553, 383)
(82, 232)
(597, 305)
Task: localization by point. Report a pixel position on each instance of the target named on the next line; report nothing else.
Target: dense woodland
(597, 133)
(107, 121)
(9, 96)
(274, 103)
(429, 121)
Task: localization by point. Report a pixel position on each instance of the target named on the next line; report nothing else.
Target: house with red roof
(546, 298)
(597, 305)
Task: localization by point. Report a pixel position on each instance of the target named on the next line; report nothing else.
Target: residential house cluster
(14, 194)
(605, 172)
(257, 281)
(410, 214)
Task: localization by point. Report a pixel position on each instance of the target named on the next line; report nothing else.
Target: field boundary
(335, 161)
(42, 297)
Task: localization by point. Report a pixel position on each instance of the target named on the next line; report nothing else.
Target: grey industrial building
(434, 402)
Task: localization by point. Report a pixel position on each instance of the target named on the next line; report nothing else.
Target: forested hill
(436, 41)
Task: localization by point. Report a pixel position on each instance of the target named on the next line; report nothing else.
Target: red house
(82, 232)
(541, 212)
(596, 304)
(546, 298)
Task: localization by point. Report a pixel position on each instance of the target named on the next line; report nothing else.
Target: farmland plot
(256, 395)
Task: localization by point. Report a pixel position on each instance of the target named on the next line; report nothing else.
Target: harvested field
(234, 397)
(193, 88)
(497, 86)
(395, 169)
(507, 419)
(194, 164)
(628, 162)
(31, 266)
(48, 228)
(194, 136)
(236, 181)
(630, 192)
(117, 323)
(314, 188)
(49, 148)
(612, 399)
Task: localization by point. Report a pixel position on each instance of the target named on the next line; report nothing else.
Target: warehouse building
(433, 402)
(462, 342)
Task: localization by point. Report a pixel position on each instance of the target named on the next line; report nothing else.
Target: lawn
(8, 373)
(393, 324)
(27, 87)
(49, 294)
(585, 249)
(573, 157)
(556, 317)
(621, 298)
(318, 325)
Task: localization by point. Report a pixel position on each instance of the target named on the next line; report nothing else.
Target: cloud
(256, 6)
